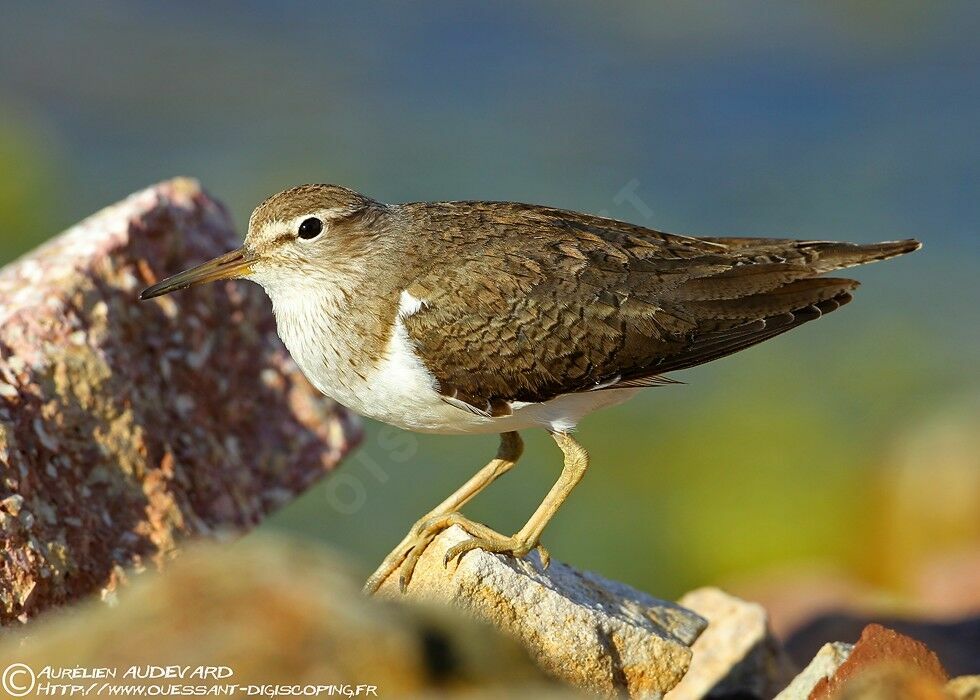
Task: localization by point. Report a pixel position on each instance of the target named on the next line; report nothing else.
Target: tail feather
(819, 256)
(720, 343)
(788, 298)
(767, 288)
(740, 280)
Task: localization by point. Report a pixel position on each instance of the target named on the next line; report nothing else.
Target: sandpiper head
(310, 233)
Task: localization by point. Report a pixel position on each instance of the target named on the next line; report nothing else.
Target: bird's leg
(445, 515)
(576, 462)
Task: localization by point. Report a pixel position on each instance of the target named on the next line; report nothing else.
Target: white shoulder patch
(409, 305)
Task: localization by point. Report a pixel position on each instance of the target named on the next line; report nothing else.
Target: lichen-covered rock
(124, 425)
(823, 666)
(270, 611)
(593, 633)
(737, 656)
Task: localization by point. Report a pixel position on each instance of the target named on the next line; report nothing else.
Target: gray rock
(585, 630)
(737, 655)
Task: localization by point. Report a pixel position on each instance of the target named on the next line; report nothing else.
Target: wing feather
(540, 302)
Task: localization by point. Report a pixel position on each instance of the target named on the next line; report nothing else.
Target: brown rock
(272, 611)
(592, 633)
(736, 656)
(126, 426)
(884, 648)
(954, 641)
(891, 682)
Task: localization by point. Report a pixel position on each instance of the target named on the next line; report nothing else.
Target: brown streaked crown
(306, 198)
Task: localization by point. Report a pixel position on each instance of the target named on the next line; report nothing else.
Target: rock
(891, 682)
(882, 648)
(823, 666)
(125, 426)
(271, 612)
(955, 641)
(595, 634)
(737, 655)
(964, 688)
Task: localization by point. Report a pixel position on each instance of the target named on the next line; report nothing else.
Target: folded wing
(568, 303)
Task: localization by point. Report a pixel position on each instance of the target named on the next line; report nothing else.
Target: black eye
(310, 228)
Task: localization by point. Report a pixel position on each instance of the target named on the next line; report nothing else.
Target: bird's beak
(233, 265)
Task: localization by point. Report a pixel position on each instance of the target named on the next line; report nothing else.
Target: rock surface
(878, 650)
(891, 682)
(593, 633)
(125, 426)
(276, 612)
(955, 641)
(737, 655)
(823, 666)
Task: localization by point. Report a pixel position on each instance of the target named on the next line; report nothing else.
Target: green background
(841, 120)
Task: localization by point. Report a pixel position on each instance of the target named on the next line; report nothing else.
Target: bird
(482, 317)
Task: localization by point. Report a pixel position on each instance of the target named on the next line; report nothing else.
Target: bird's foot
(405, 556)
(514, 546)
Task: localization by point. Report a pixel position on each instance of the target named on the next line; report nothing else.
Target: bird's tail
(819, 256)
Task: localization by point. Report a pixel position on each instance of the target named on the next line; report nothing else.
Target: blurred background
(841, 459)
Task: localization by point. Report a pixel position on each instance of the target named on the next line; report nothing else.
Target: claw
(406, 556)
(545, 557)
(457, 551)
(451, 554)
(504, 545)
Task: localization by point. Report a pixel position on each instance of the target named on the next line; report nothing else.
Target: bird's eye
(310, 228)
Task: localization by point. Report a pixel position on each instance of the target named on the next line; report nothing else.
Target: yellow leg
(576, 463)
(405, 555)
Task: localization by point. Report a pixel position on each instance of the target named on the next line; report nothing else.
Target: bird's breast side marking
(409, 305)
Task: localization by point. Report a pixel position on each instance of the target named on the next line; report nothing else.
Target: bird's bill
(233, 265)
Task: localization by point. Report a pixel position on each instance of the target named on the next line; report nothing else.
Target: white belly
(400, 390)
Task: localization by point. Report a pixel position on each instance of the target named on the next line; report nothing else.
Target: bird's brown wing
(541, 302)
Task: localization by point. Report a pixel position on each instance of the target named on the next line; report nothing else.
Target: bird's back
(533, 302)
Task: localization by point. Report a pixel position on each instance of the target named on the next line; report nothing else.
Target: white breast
(399, 389)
